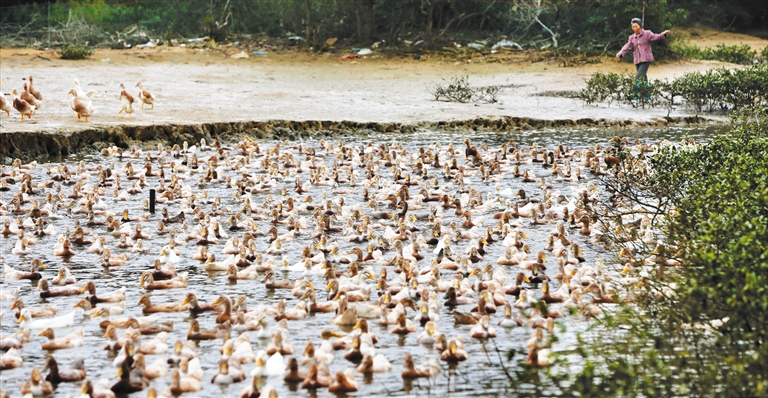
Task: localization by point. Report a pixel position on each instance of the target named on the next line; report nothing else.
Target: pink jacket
(641, 45)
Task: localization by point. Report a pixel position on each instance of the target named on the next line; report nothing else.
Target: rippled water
(480, 375)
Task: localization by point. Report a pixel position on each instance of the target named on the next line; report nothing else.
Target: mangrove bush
(457, 89)
(741, 54)
(715, 89)
(75, 51)
(692, 222)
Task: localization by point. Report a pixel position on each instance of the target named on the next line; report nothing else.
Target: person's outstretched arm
(658, 36)
(627, 47)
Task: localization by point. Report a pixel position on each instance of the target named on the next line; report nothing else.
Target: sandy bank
(196, 88)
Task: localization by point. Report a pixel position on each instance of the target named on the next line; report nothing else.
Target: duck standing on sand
(82, 95)
(35, 92)
(27, 96)
(126, 101)
(145, 96)
(82, 108)
(5, 105)
(23, 107)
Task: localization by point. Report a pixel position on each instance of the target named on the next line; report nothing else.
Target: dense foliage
(715, 89)
(600, 26)
(695, 303)
(737, 54)
(75, 51)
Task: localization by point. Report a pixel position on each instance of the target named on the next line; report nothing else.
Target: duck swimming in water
(36, 386)
(297, 190)
(76, 372)
(73, 339)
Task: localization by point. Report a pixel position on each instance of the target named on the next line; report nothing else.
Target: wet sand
(204, 86)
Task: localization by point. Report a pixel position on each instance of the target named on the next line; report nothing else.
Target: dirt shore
(204, 86)
(195, 86)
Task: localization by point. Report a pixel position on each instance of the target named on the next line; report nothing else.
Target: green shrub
(688, 51)
(75, 51)
(735, 54)
(715, 89)
(666, 93)
(611, 87)
(693, 89)
(602, 87)
(639, 94)
(459, 90)
(696, 323)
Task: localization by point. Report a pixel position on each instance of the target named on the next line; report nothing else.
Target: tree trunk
(368, 26)
(428, 29)
(394, 32)
(309, 22)
(359, 17)
(440, 10)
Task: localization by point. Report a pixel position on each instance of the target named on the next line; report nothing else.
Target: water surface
(481, 375)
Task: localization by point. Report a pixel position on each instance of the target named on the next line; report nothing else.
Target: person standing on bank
(640, 44)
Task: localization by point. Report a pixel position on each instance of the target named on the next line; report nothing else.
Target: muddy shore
(33, 145)
(206, 94)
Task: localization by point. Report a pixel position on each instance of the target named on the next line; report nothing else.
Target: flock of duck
(31, 99)
(381, 259)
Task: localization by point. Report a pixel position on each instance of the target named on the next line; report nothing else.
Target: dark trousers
(642, 69)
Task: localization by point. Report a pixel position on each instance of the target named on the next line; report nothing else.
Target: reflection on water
(480, 375)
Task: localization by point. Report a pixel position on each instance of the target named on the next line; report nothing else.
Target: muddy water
(480, 375)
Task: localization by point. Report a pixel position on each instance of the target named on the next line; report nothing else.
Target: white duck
(97, 246)
(5, 105)
(168, 255)
(193, 369)
(82, 95)
(274, 366)
(26, 322)
(376, 364)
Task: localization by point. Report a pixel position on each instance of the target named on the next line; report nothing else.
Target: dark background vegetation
(599, 26)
